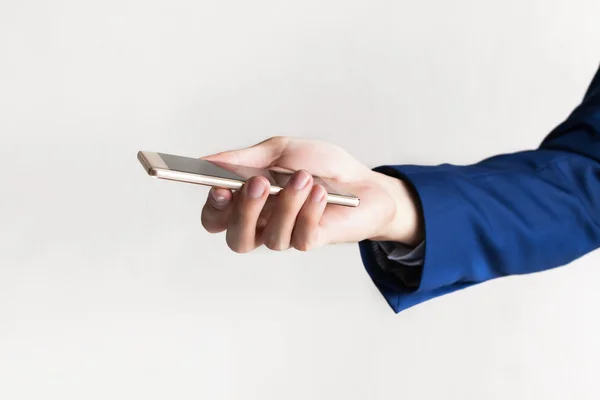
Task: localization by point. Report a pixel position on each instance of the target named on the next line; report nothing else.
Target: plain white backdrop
(109, 287)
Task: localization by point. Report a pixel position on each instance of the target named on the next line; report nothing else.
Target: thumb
(260, 155)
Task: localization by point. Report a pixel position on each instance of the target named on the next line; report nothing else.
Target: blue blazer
(510, 214)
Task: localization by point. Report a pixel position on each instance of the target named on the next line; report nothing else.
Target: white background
(109, 287)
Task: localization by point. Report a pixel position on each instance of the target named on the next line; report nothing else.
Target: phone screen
(235, 172)
(199, 167)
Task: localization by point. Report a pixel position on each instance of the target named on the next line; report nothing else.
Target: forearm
(514, 214)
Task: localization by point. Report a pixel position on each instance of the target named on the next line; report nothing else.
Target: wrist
(406, 222)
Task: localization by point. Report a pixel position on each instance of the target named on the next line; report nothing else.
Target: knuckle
(277, 139)
(271, 245)
(239, 249)
(302, 243)
(236, 246)
(306, 239)
(208, 223)
(302, 246)
(274, 244)
(277, 142)
(204, 222)
(212, 229)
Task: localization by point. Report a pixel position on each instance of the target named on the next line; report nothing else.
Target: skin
(298, 217)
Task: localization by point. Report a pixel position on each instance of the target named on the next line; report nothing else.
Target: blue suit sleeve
(507, 215)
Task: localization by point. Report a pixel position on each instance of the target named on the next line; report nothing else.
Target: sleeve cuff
(407, 256)
(441, 221)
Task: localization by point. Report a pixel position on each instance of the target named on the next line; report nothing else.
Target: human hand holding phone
(298, 216)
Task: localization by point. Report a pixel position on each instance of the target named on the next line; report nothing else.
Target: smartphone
(229, 176)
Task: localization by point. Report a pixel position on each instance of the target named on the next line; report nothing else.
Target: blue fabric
(507, 215)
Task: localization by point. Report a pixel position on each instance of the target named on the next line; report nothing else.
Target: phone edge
(343, 200)
(236, 185)
(156, 167)
(197, 179)
(151, 161)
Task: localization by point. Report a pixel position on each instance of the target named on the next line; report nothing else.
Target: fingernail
(218, 199)
(317, 194)
(255, 188)
(300, 179)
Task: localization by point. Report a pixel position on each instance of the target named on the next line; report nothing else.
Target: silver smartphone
(228, 176)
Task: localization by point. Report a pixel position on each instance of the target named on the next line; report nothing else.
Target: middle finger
(278, 232)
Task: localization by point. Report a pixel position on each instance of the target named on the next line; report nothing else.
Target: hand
(298, 216)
